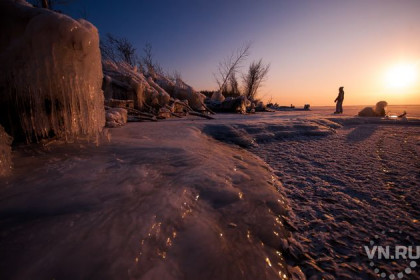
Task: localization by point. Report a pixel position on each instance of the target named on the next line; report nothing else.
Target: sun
(402, 75)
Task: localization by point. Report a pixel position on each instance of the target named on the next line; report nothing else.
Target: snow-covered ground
(167, 201)
(357, 183)
(347, 188)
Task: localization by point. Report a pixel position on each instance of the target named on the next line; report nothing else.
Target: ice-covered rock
(116, 117)
(217, 96)
(122, 81)
(162, 96)
(50, 74)
(230, 104)
(164, 113)
(5, 152)
(182, 91)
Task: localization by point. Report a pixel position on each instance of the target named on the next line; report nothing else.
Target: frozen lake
(284, 195)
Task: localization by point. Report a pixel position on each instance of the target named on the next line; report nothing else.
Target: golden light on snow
(402, 75)
(267, 260)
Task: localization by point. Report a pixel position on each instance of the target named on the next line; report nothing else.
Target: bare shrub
(257, 72)
(118, 49)
(148, 62)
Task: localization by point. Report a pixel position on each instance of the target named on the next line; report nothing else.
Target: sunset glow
(402, 75)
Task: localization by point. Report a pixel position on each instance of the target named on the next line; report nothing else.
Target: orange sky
(354, 45)
(318, 46)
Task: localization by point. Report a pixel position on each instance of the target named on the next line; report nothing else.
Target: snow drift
(50, 74)
(251, 133)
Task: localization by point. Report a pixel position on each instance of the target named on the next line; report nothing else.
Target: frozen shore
(160, 201)
(167, 201)
(354, 185)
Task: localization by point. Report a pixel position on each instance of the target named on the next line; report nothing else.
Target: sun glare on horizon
(402, 75)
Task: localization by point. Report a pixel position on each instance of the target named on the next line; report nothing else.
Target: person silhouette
(339, 101)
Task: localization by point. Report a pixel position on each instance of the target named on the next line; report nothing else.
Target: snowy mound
(50, 74)
(250, 134)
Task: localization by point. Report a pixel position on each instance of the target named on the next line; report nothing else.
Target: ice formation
(5, 152)
(162, 96)
(239, 104)
(182, 91)
(122, 81)
(51, 74)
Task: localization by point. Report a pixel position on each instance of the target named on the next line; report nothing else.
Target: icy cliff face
(50, 74)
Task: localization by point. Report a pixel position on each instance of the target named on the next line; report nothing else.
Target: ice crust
(160, 201)
(51, 74)
(249, 134)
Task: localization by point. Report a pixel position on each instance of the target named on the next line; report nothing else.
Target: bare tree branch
(148, 61)
(118, 49)
(233, 85)
(230, 66)
(175, 76)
